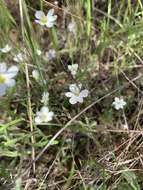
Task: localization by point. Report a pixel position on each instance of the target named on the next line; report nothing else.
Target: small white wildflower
(56, 2)
(119, 103)
(6, 77)
(72, 27)
(45, 98)
(46, 20)
(38, 51)
(50, 55)
(73, 69)
(35, 74)
(125, 126)
(44, 115)
(76, 94)
(20, 57)
(6, 49)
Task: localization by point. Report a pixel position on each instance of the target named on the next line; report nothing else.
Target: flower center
(43, 19)
(2, 79)
(77, 93)
(44, 117)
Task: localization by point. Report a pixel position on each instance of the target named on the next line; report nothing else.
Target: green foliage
(131, 179)
(88, 17)
(88, 152)
(18, 185)
(6, 19)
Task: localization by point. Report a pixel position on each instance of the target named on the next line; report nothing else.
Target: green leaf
(8, 153)
(131, 178)
(18, 184)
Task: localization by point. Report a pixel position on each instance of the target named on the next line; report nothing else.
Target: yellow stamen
(43, 19)
(77, 93)
(2, 79)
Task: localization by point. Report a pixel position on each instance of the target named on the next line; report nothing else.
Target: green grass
(85, 146)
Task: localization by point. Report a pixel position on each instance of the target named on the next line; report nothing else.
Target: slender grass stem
(88, 17)
(30, 116)
(28, 90)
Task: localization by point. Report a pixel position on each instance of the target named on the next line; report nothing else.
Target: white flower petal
(38, 21)
(117, 99)
(50, 115)
(73, 68)
(44, 109)
(117, 107)
(2, 89)
(80, 99)
(35, 74)
(84, 93)
(68, 94)
(69, 67)
(12, 71)
(6, 49)
(123, 102)
(73, 100)
(51, 54)
(50, 12)
(38, 51)
(72, 27)
(10, 82)
(80, 86)
(52, 18)
(49, 24)
(39, 14)
(73, 88)
(38, 113)
(38, 120)
(7, 77)
(19, 57)
(45, 98)
(3, 67)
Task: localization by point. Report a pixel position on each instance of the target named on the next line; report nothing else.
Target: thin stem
(30, 115)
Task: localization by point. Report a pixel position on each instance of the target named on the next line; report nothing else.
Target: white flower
(119, 103)
(38, 51)
(35, 74)
(6, 49)
(45, 98)
(6, 77)
(73, 69)
(46, 20)
(76, 94)
(56, 2)
(19, 58)
(44, 115)
(72, 27)
(51, 54)
(125, 126)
